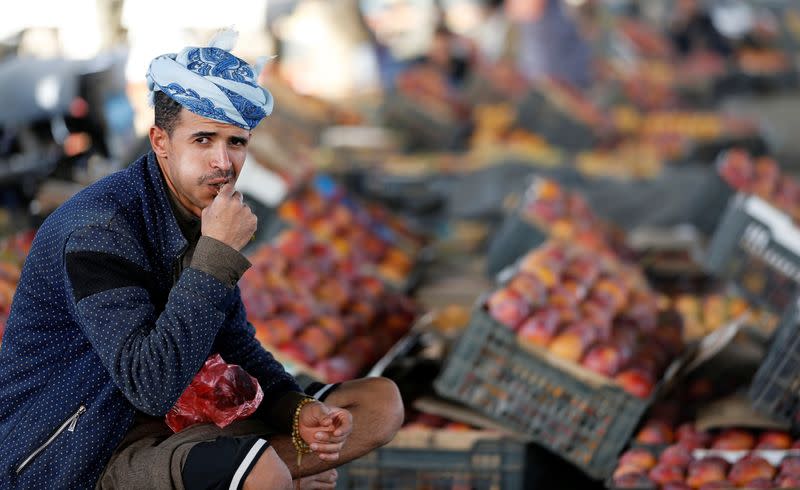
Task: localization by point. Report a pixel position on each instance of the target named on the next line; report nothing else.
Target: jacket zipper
(68, 425)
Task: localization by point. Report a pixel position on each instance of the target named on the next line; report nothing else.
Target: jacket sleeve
(236, 343)
(151, 356)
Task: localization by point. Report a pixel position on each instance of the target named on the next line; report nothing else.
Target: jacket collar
(166, 225)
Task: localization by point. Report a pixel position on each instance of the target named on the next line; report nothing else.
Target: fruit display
(687, 458)
(374, 238)
(762, 61)
(496, 136)
(705, 314)
(573, 102)
(592, 310)
(318, 307)
(761, 177)
(629, 160)
(565, 215)
(430, 448)
(427, 421)
(645, 39)
(13, 251)
(430, 89)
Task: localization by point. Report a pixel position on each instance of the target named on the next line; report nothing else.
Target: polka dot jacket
(99, 328)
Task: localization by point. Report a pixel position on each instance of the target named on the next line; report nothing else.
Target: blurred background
(421, 73)
(433, 144)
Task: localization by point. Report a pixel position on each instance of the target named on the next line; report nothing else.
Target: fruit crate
(515, 238)
(757, 248)
(585, 423)
(775, 389)
(540, 115)
(439, 460)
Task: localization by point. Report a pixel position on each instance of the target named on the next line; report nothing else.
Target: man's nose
(221, 158)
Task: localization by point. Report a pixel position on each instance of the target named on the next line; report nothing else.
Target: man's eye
(202, 140)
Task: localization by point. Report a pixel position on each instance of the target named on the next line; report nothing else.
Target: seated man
(127, 290)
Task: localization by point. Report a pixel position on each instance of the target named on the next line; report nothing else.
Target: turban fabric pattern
(212, 83)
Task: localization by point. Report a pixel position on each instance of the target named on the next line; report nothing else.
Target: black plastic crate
(515, 237)
(585, 424)
(757, 248)
(538, 114)
(486, 464)
(775, 389)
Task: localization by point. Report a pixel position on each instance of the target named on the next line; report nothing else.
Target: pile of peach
(763, 178)
(591, 310)
(703, 315)
(677, 467)
(422, 420)
(13, 251)
(320, 308)
(564, 215)
(369, 235)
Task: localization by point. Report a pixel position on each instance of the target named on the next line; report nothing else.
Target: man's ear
(159, 141)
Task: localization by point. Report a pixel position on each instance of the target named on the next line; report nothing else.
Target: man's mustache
(228, 176)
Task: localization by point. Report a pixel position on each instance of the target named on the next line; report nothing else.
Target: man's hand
(325, 429)
(228, 219)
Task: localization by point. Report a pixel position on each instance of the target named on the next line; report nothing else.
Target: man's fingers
(343, 423)
(328, 456)
(326, 448)
(227, 189)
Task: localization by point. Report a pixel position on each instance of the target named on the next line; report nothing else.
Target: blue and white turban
(212, 83)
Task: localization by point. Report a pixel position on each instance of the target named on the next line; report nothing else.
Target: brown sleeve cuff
(280, 414)
(219, 260)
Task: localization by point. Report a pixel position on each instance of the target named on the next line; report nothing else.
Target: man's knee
(384, 393)
(269, 472)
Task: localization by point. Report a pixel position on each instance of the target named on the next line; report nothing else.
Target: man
(693, 30)
(545, 42)
(127, 290)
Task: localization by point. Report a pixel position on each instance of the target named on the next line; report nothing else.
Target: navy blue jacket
(99, 329)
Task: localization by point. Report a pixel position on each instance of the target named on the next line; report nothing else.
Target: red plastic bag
(220, 393)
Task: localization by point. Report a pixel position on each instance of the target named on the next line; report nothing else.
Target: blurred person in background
(546, 42)
(692, 30)
(400, 34)
(131, 285)
(490, 36)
